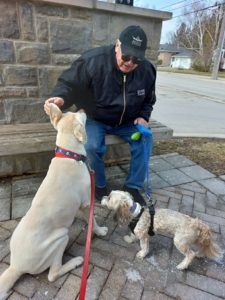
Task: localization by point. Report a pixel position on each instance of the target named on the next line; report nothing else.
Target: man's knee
(93, 148)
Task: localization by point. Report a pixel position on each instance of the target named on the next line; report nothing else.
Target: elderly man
(115, 85)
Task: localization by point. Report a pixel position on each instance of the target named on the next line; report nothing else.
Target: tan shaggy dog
(189, 233)
(40, 239)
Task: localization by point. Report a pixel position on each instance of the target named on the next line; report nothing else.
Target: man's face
(126, 64)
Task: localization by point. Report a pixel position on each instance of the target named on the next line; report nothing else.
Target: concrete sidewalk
(114, 272)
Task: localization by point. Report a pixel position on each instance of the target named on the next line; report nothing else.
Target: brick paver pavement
(114, 272)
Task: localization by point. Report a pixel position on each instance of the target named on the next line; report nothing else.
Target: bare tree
(198, 30)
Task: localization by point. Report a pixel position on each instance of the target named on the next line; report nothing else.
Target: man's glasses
(135, 60)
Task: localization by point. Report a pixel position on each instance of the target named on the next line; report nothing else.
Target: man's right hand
(56, 100)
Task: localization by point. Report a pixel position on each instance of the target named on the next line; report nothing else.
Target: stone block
(4, 233)
(70, 288)
(9, 23)
(17, 296)
(5, 200)
(27, 21)
(179, 161)
(160, 164)
(81, 13)
(4, 249)
(25, 111)
(95, 283)
(12, 92)
(186, 204)
(32, 53)
(32, 92)
(47, 79)
(50, 10)
(185, 292)
(6, 51)
(215, 185)
(207, 284)
(200, 202)
(196, 172)
(115, 281)
(132, 290)
(27, 285)
(64, 59)
(18, 75)
(2, 112)
(70, 37)
(174, 177)
(101, 30)
(157, 182)
(42, 29)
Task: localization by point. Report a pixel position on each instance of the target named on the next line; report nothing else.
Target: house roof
(176, 51)
(168, 48)
(184, 53)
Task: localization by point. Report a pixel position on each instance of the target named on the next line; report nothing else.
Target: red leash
(88, 240)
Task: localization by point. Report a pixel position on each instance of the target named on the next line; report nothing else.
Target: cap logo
(136, 41)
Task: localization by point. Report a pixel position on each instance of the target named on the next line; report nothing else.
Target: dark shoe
(100, 193)
(135, 194)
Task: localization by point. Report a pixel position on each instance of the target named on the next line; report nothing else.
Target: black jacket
(94, 83)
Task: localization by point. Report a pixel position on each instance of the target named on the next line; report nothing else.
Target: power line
(188, 13)
(173, 4)
(186, 5)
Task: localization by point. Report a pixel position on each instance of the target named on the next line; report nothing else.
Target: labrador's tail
(7, 280)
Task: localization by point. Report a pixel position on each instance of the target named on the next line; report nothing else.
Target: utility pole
(218, 51)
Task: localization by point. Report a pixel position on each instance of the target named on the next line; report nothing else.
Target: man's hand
(56, 100)
(141, 121)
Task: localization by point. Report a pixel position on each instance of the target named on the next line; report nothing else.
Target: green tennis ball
(136, 136)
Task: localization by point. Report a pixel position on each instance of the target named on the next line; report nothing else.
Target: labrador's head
(69, 122)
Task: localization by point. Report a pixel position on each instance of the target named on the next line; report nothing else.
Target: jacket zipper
(124, 98)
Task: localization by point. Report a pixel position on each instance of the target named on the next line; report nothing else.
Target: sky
(174, 6)
(166, 5)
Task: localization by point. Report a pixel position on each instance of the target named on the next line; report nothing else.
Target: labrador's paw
(77, 261)
(102, 231)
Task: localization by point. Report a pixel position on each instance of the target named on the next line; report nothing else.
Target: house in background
(183, 59)
(175, 57)
(165, 53)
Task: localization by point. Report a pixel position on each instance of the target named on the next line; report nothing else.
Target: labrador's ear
(80, 132)
(55, 114)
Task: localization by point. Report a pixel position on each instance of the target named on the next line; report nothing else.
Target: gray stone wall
(38, 39)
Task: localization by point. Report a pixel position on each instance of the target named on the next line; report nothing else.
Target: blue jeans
(96, 148)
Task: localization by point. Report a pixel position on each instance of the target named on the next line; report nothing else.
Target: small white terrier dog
(187, 231)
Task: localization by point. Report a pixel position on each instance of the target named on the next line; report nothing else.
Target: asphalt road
(191, 105)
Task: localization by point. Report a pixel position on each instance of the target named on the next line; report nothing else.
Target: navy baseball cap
(133, 41)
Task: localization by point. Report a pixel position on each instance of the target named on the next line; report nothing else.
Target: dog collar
(63, 153)
(133, 207)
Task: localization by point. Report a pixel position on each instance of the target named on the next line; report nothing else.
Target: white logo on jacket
(141, 92)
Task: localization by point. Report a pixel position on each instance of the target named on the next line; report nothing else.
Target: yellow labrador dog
(41, 237)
